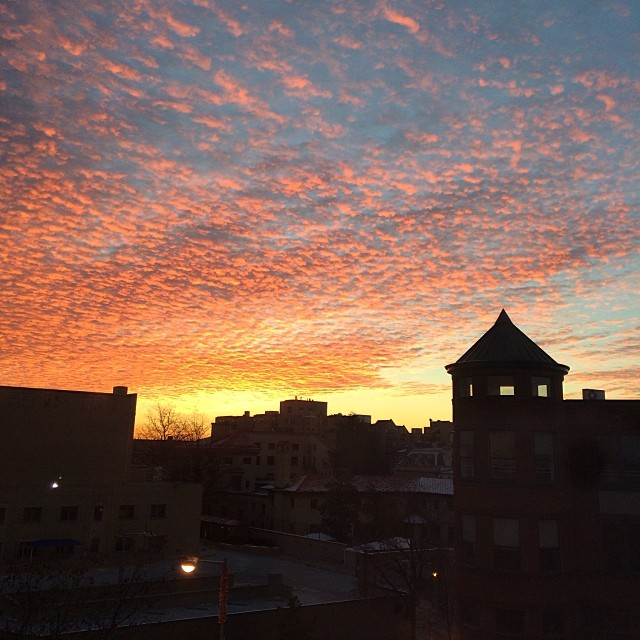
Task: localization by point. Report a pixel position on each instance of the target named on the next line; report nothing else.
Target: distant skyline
(226, 204)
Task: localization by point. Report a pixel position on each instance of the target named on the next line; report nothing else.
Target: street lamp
(189, 566)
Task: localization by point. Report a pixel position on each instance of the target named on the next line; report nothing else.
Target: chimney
(120, 391)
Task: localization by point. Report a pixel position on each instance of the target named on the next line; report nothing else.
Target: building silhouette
(67, 485)
(546, 501)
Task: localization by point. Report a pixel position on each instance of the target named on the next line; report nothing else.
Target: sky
(224, 204)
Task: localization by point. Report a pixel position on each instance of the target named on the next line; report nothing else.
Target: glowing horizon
(225, 205)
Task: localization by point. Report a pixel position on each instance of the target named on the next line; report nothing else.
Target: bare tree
(196, 427)
(163, 422)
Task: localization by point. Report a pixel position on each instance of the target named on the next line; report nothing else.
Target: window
(98, 512)
(540, 387)
(126, 512)
(294, 461)
(621, 545)
(32, 514)
(246, 460)
(549, 546)
(94, 546)
(509, 622)
(271, 460)
(544, 453)
(465, 389)
(552, 624)
(468, 613)
(500, 386)
(506, 544)
(228, 460)
(502, 452)
(295, 447)
(468, 539)
(68, 514)
(314, 503)
(467, 455)
(3, 513)
(630, 448)
(271, 446)
(158, 511)
(124, 543)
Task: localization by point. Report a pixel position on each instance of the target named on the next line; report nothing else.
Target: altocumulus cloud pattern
(318, 196)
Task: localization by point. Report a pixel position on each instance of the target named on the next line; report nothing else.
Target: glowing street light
(189, 566)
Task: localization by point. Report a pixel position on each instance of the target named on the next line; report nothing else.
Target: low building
(66, 482)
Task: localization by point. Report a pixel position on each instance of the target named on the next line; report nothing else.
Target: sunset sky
(224, 204)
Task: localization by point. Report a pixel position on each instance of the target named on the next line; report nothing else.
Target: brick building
(547, 498)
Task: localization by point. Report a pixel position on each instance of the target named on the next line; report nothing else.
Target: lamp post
(189, 566)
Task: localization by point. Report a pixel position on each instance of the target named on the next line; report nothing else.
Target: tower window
(465, 389)
(549, 546)
(468, 539)
(501, 386)
(467, 455)
(502, 453)
(540, 387)
(506, 544)
(544, 453)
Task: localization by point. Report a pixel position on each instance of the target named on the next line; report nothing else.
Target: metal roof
(504, 342)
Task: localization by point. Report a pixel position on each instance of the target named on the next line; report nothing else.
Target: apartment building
(547, 498)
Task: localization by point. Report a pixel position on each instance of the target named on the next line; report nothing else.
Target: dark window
(621, 545)
(549, 546)
(68, 514)
(468, 539)
(294, 461)
(158, 511)
(295, 447)
(502, 452)
(246, 460)
(552, 624)
(3, 513)
(228, 460)
(124, 543)
(630, 448)
(32, 514)
(271, 460)
(94, 547)
(126, 512)
(314, 503)
(544, 452)
(506, 544)
(271, 446)
(467, 455)
(98, 512)
(468, 613)
(509, 622)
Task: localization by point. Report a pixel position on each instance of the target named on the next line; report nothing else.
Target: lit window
(540, 387)
(465, 389)
(500, 386)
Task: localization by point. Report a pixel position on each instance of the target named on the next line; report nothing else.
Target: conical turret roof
(504, 342)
